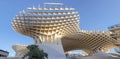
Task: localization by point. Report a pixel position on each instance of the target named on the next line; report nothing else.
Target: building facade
(3, 53)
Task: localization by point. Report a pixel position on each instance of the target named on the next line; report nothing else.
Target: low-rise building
(3, 53)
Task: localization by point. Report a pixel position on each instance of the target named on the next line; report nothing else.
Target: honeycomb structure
(46, 25)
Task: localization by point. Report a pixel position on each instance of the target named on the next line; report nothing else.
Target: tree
(35, 53)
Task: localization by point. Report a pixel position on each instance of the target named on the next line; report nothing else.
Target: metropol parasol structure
(59, 25)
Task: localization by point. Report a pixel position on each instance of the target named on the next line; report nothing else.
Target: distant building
(115, 28)
(3, 53)
(116, 33)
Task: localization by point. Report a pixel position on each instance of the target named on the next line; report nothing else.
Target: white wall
(54, 51)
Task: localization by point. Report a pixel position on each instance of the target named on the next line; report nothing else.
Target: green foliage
(35, 53)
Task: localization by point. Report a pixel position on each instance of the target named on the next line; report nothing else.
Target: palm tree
(35, 53)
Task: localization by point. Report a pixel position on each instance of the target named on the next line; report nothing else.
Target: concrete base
(53, 51)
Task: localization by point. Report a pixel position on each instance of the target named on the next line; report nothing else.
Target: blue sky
(94, 15)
